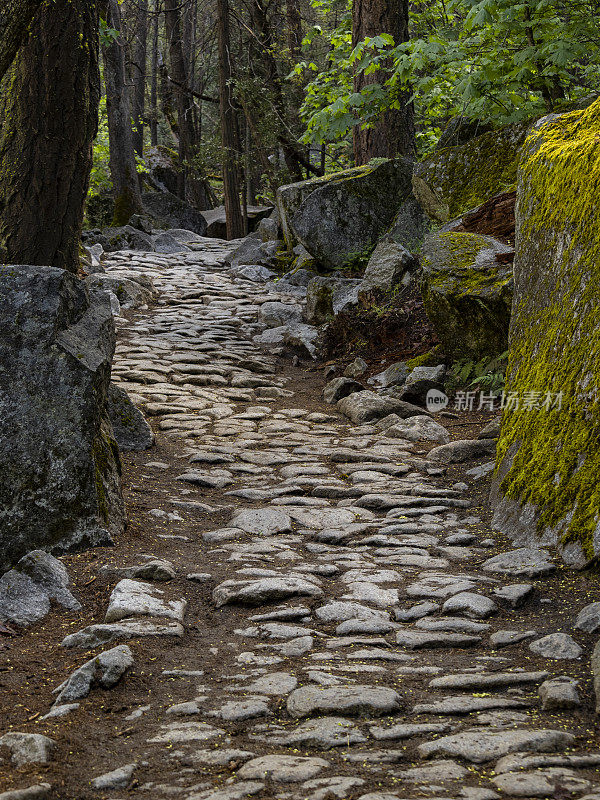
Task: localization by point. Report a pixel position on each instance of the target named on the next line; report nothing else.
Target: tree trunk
(138, 73)
(229, 130)
(393, 133)
(15, 18)
(190, 186)
(126, 186)
(294, 29)
(48, 121)
(154, 79)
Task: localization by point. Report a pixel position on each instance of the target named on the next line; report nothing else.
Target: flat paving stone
(479, 746)
(351, 700)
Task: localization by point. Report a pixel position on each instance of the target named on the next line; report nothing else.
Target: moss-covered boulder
(547, 486)
(340, 218)
(458, 179)
(467, 292)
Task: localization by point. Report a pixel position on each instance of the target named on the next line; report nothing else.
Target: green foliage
(497, 61)
(487, 375)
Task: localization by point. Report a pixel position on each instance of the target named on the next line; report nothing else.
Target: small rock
(355, 700)
(515, 595)
(559, 694)
(28, 748)
(282, 768)
(556, 645)
(356, 369)
(472, 605)
(527, 561)
(338, 388)
(588, 618)
(106, 670)
(40, 791)
(132, 598)
(481, 746)
(117, 779)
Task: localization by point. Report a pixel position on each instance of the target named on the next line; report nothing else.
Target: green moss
(125, 207)
(555, 344)
(463, 177)
(431, 358)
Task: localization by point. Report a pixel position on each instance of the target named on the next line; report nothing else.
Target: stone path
(323, 613)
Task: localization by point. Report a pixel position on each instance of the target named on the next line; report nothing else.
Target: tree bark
(188, 185)
(229, 129)
(138, 73)
(126, 186)
(154, 79)
(15, 18)
(393, 134)
(48, 121)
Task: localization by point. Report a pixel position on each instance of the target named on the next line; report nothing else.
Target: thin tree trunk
(294, 29)
(48, 121)
(138, 74)
(393, 133)
(154, 79)
(229, 131)
(188, 184)
(15, 18)
(126, 186)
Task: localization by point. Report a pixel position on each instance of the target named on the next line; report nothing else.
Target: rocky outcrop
(467, 292)
(58, 458)
(171, 212)
(460, 178)
(340, 218)
(546, 487)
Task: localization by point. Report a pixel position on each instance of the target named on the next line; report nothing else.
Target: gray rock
(340, 218)
(466, 450)
(125, 286)
(25, 591)
(341, 610)
(125, 237)
(132, 598)
(506, 638)
(254, 252)
(452, 624)
(466, 704)
(282, 768)
(166, 243)
(419, 382)
(515, 595)
(262, 521)
(408, 730)
(275, 314)
(526, 561)
(595, 667)
(105, 670)
(394, 375)
(444, 770)
(235, 791)
(60, 489)
(472, 605)
(172, 212)
(352, 701)
(255, 273)
(338, 388)
(365, 406)
(327, 296)
(117, 779)
(556, 645)
(28, 748)
(541, 783)
(559, 694)
(41, 791)
(356, 369)
(301, 338)
(390, 265)
(275, 683)
(240, 710)
(264, 590)
(479, 746)
(419, 428)
(96, 635)
(415, 612)
(486, 681)
(588, 618)
(131, 431)
(324, 733)
(421, 640)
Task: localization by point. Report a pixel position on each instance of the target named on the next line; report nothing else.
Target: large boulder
(546, 485)
(171, 212)
(460, 178)
(327, 296)
(216, 220)
(467, 292)
(340, 218)
(163, 165)
(59, 461)
(253, 251)
(390, 265)
(125, 237)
